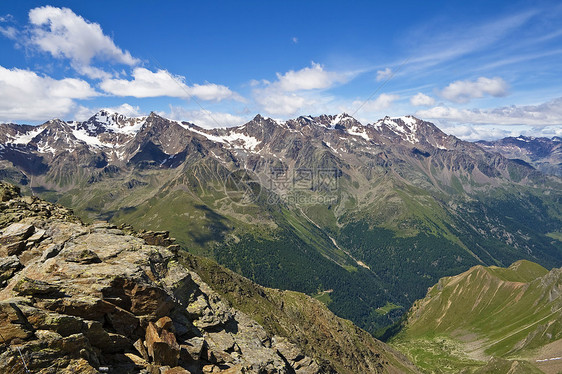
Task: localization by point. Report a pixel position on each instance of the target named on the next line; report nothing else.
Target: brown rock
(150, 300)
(233, 370)
(84, 306)
(60, 323)
(165, 354)
(38, 288)
(176, 370)
(12, 324)
(139, 362)
(8, 191)
(151, 337)
(97, 336)
(123, 322)
(79, 366)
(139, 345)
(8, 266)
(162, 346)
(72, 344)
(165, 323)
(11, 249)
(16, 232)
(84, 256)
(119, 343)
(208, 369)
(37, 236)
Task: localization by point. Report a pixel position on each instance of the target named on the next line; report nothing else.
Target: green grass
(323, 297)
(387, 308)
(497, 312)
(557, 235)
(438, 354)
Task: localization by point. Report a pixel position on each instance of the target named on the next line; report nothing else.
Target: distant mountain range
(363, 217)
(543, 153)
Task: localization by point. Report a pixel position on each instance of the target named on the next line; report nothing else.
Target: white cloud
(422, 100)
(384, 74)
(28, 96)
(295, 40)
(383, 101)
(298, 90)
(280, 103)
(63, 34)
(486, 132)
(309, 78)
(6, 18)
(204, 118)
(146, 83)
(9, 32)
(549, 113)
(464, 91)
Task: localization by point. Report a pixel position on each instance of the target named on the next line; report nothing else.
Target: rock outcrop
(93, 299)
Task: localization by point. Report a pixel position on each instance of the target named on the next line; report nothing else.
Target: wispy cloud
(431, 46)
(384, 74)
(487, 132)
(549, 113)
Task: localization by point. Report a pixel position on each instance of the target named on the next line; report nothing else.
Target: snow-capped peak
(405, 127)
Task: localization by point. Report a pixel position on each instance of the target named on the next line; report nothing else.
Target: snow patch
(25, 138)
(358, 132)
(90, 140)
(233, 139)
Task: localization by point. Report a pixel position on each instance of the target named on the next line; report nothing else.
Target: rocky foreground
(97, 299)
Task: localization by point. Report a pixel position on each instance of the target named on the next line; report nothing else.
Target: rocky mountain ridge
(543, 153)
(97, 299)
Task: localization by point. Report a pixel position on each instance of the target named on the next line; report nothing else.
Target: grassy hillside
(464, 320)
(304, 321)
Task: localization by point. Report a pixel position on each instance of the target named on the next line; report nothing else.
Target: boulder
(16, 232)
(8, 267)
(162, 346)
(84, 256)
(13, 324)
(37, 288)
(8, 191)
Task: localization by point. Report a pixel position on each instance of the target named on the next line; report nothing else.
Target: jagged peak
(258, 118)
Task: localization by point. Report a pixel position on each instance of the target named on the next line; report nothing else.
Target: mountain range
(363, 217)
(542, 153)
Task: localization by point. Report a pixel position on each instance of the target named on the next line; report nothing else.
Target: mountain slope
(363, 217)
(543, 153)
(94, 298)
(511, 313)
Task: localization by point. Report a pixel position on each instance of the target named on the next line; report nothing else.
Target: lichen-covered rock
(8, 191)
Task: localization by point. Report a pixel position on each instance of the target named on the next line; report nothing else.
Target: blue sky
(478, 69)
